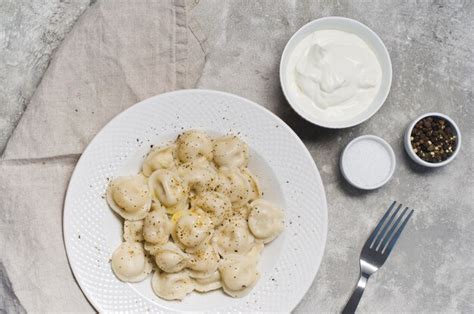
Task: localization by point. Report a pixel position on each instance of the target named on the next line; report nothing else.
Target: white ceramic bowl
(350, 26)
(277, 157)
(414, 156)
(367, 178)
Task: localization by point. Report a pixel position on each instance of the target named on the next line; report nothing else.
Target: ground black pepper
(433, 139)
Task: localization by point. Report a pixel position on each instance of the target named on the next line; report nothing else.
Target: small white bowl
(368, 162)
(366, 34)
(414, 156)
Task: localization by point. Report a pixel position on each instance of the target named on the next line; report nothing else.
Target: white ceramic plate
(284, 166)
(350, 26)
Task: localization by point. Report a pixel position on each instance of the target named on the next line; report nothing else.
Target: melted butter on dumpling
(215, 204)
(133, 230)
(169, 189)
(230, 151)
(233, 236)
(199, 175)
(265, 220)
(157, 226)
(192, 145)
(170, 258)
(129, 197)
(192, 228)
(159, 158)
(130, 263)
(172, 286)
(239, 273)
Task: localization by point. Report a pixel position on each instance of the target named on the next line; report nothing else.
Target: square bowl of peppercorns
(432, 140)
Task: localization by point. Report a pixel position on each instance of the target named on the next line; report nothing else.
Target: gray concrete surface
(431, 44)
(30, 31)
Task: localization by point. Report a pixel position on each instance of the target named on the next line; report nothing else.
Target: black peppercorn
(433, 139)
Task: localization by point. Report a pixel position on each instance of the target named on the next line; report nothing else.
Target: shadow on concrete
(305, 130)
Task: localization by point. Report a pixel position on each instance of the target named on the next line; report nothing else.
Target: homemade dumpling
(130, 263)
(169, 189)
(255, 191)
(230, 151)
(239, 185)
(151, 248)
(265, 220)
(200, 192)
(203, 260)
(215, 204)
(129, 197)
(133, 230)
(239, 273)
(243, 211)
(157, 226)
(170, 258)
(212, 282)
(172, 286)
(199, 175)
(192, 228)
(192, 145)
(233, 236)
(159, 158)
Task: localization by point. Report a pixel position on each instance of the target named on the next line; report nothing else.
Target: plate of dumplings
(195, 200)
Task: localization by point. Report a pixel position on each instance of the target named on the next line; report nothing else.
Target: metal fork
(377, 249)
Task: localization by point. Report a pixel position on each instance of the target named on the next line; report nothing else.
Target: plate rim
(66, 214)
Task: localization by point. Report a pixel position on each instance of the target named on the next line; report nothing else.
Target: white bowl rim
(415, 157)
(338, 124)
(389, 150)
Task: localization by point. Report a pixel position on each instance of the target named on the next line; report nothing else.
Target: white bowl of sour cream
(335, 72)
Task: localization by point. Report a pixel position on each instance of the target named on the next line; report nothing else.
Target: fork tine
(385, 228)
(392, 230)
(394, 239)
(379, 225)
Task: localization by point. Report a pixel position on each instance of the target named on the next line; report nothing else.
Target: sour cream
(333, 74)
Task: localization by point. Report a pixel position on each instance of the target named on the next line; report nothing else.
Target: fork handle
(353, 302)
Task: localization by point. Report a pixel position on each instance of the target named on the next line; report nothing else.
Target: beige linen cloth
(118, 53)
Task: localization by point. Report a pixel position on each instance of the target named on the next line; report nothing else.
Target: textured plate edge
(65, 214)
